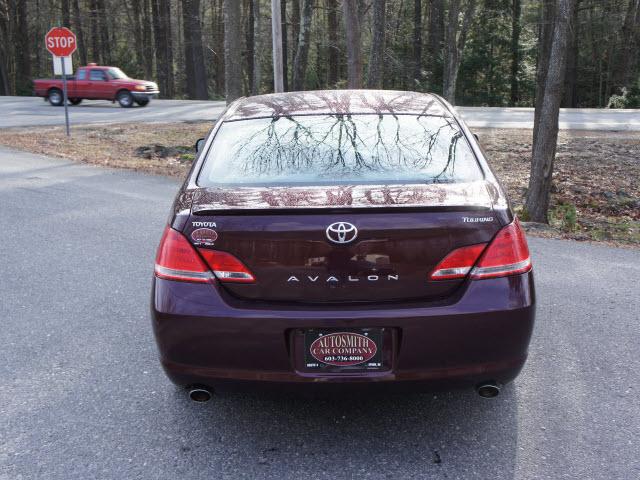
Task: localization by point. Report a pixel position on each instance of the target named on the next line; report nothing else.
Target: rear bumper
(205, 337)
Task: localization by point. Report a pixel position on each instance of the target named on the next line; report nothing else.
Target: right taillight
(507, 254)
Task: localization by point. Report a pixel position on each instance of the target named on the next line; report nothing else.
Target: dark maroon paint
(437, 334)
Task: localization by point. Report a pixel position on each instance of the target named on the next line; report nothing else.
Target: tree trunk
(161, 13)
(66, 13)
(545, 37)
(354, 55)
(5, 44)
(96, 53)
(218, 28)
(546, 137)
(628, 51)
(450, 52)
(417, 42)
(79, 31)
(103, 27)
(285, 45)
(376, 59)
(232, 50)
(302, 52)
(515, 51)
(259, 41)
(189, 75)
(147, 40)
(333, 57)
(435, 40)
(570, 98)
(136, 7)
(295, 30)
(22, 44)
(195, 73)
(455, 39)
(250, 43)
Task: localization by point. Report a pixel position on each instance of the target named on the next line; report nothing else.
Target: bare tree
(232, 50)
(546, 116)
(516, 9)
(258, 40)
(354, 55)
(302, 51)
(66, 13)
(570, 98)
(332, 35)
(161, 11)
(5, 34)
(147, 39)
(79, 31)
(435, 39)
(376, 58)
(417, 41)
(22, 43)
(455, 39)
(627, 57)
(196, 75)
(285, 45)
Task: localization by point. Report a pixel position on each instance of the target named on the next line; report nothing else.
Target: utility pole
(276, 30)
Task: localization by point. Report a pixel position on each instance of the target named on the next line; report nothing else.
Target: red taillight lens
(507, 254)
(178, 260)
(226, 267)
(458, 263)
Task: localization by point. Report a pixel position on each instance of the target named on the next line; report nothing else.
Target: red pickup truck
(98, 83)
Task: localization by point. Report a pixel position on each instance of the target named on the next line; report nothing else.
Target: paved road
(28, 111)
(83, 395)
(32, 111)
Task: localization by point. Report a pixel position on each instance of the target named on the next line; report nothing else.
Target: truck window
(82, 74)
(97, 76)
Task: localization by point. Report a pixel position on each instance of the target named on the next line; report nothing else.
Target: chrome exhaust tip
(200, 394)
(488, 390)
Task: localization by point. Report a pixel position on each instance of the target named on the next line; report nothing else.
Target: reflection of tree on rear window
(340, 149)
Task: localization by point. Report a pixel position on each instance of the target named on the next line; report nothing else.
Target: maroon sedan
(339, 240)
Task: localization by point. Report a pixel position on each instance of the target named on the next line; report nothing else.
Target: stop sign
(60, 41)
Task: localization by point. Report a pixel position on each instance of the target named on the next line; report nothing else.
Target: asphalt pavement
(83, 395)
(32, 111)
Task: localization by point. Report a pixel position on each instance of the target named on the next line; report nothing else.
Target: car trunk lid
(297, 241)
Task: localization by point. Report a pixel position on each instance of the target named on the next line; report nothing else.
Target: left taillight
(178, 260)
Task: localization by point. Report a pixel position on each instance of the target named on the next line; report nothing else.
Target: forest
(474, 52)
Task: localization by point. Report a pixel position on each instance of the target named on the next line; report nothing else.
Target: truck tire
(55, 97)
(75, 101)
(125, 99)
(143, 102)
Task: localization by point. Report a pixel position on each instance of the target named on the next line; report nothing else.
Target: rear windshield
(339, 149)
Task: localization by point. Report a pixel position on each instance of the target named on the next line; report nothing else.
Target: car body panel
(440, 334)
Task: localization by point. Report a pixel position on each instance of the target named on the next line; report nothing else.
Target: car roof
(335, 102)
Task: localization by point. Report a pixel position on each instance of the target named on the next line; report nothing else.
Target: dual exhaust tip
(202, 394)
(488, 390)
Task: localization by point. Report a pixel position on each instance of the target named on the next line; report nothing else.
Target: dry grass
(596, 181)
(596, 191)
(115, 145)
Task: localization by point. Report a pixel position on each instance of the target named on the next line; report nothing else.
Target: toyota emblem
(342, 232)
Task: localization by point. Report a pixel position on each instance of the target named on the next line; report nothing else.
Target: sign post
(61, 42)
